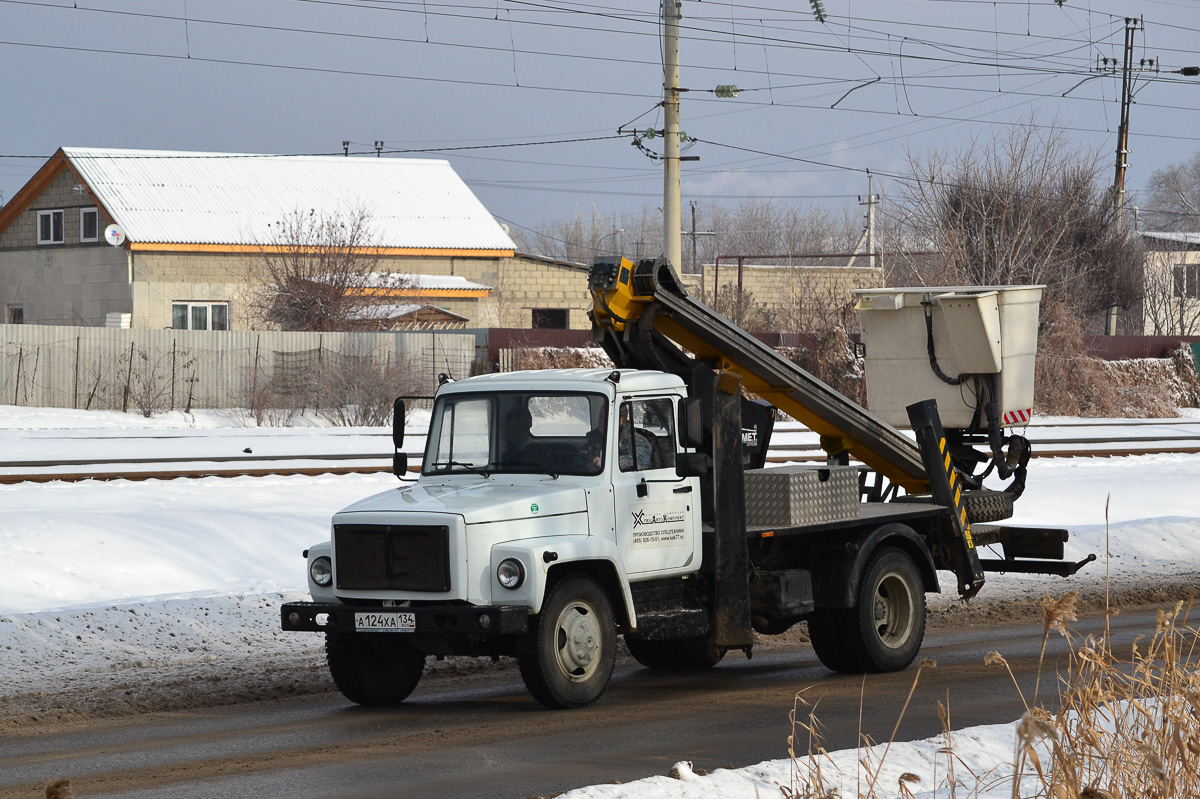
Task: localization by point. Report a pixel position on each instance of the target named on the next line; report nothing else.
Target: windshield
(517, 432)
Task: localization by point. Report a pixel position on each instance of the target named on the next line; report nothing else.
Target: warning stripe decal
(1018, 417)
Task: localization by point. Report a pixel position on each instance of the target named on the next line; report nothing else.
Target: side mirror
(398, 423)
(400, 464)
(691, 464)
(691, 422)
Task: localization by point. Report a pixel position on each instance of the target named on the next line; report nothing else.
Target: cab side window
(646, 436)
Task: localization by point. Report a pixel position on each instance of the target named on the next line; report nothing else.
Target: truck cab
(528, 478)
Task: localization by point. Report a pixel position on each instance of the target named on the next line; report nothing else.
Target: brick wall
(777, 287)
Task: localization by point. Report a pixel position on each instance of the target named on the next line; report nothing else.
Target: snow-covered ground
(162, 574)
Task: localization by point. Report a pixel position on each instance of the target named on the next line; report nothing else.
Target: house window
(15, 315)
(89, 224)
(200, 315)
(50, 227)
(552, 318)
(1187, 281)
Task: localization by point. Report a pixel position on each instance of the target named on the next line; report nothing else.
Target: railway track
(255, 465)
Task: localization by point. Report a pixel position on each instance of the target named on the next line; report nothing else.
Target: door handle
(682, 490)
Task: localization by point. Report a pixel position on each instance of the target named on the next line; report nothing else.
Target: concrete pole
(871, 198)
(672, 215)
(1132, 25)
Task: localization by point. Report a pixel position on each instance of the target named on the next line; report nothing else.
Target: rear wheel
(883, 632)
(373, 668)
(825, 631)
(691, 654)
(567, 656)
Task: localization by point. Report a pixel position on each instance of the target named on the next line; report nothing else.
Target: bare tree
(1022, 209)
(769, 227)
(355, 389)
(1172, 199)
(742, 308)
(317, 272)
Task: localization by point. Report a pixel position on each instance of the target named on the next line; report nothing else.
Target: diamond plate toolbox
(794, 495)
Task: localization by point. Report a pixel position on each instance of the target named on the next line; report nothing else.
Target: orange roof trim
(250, 249)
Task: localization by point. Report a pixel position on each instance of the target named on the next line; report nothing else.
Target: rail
(381, 463)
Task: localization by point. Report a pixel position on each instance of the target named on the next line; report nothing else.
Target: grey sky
(462, 73)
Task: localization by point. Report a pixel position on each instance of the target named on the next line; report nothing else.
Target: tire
(373, 668)
(981, 506)
(883, 632)
(825, 629)
(567, 656)
(987, 506)
(691, 654)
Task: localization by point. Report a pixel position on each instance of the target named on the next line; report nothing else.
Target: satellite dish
(114, 235)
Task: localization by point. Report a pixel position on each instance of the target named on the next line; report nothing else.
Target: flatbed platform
(868, 512)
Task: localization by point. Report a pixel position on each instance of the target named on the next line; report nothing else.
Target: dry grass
(1069, 382)
(1126, 726)
(529, 357)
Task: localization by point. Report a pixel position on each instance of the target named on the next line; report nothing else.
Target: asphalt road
(479, 734)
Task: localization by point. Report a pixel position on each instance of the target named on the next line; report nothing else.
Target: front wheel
(567, 656)
(373, 668)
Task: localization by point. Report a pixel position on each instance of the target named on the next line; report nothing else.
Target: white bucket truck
(558, 509)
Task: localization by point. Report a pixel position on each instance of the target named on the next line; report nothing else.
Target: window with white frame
(50, 227)
(200, 315)
(1187, 281)
(89, 224)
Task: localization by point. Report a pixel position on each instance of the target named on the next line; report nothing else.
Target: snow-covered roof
(419, 282)
(1180, 238)
(175, 197)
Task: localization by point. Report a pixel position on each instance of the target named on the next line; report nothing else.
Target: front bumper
(437, 620)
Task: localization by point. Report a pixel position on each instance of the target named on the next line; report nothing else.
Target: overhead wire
(775, 41)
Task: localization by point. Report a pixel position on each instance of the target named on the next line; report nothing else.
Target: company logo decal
(658, 524)
(750, 436)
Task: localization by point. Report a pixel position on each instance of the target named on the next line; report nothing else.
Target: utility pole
(672, 217)
(868, 234)
(694, 233)
(1132, 26)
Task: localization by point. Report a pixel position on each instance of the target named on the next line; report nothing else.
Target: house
(1171, 284)
(186, 223)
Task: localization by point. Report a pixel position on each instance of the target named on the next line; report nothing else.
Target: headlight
(510, 573)
(321, 571)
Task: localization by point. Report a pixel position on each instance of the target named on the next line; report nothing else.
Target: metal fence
(1116, 348)
(120, 369)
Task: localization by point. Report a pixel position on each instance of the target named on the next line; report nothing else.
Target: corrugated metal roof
(173, 197)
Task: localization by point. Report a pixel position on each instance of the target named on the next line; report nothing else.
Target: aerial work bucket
(961, 346)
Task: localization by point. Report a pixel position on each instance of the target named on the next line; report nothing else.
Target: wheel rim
(577, 641)
(893, 610)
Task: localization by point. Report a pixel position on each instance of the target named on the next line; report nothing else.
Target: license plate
(385, 622)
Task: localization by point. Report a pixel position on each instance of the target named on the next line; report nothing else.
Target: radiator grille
(392, 557)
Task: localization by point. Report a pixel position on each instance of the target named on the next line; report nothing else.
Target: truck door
(657, 513)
